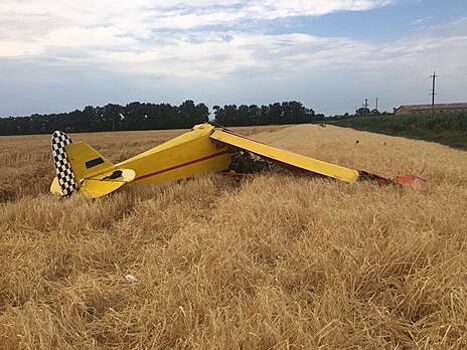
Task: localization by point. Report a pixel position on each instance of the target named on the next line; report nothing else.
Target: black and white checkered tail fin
(66, 178)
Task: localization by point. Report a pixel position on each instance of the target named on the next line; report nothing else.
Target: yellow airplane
(204, 149)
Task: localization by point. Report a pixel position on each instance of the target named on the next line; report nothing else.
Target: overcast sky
(60, 55)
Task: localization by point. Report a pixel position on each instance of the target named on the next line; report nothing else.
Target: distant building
(439, 108)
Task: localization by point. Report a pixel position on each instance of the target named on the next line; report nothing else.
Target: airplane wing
(286, 157)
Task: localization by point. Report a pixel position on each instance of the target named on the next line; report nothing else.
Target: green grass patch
(446, 128)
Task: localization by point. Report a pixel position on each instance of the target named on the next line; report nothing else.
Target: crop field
(269, 261)
(446, 128)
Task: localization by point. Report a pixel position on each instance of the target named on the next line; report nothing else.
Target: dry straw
(271, 262)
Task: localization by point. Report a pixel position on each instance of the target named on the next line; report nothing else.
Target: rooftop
(428, 107)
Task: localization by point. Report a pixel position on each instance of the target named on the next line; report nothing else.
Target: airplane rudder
(65, 176)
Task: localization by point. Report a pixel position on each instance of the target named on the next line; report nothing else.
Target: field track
(274, 261)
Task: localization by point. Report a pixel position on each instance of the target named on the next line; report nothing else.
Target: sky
(62, 55)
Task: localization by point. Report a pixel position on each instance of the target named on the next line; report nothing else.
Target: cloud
(39, 24)
(421, 20)
(215, 55)
(152, 36)
(198, 48)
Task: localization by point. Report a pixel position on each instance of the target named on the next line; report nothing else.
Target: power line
(433, 92)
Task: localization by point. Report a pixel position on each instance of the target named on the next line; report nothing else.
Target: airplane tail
(79, 167)
(65, 179)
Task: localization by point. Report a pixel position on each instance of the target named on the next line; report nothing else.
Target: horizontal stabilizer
(105, 183)
(286, 157)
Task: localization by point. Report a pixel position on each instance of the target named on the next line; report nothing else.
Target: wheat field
(270, 261)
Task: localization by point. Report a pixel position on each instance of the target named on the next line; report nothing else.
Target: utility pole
(376, 105)
(433, 92)
(366, 103)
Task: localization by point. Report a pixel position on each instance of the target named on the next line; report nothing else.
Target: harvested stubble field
(273, 261)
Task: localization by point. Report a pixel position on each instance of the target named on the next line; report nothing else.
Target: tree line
(291, 112)
(150, 116)
(112, 117)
